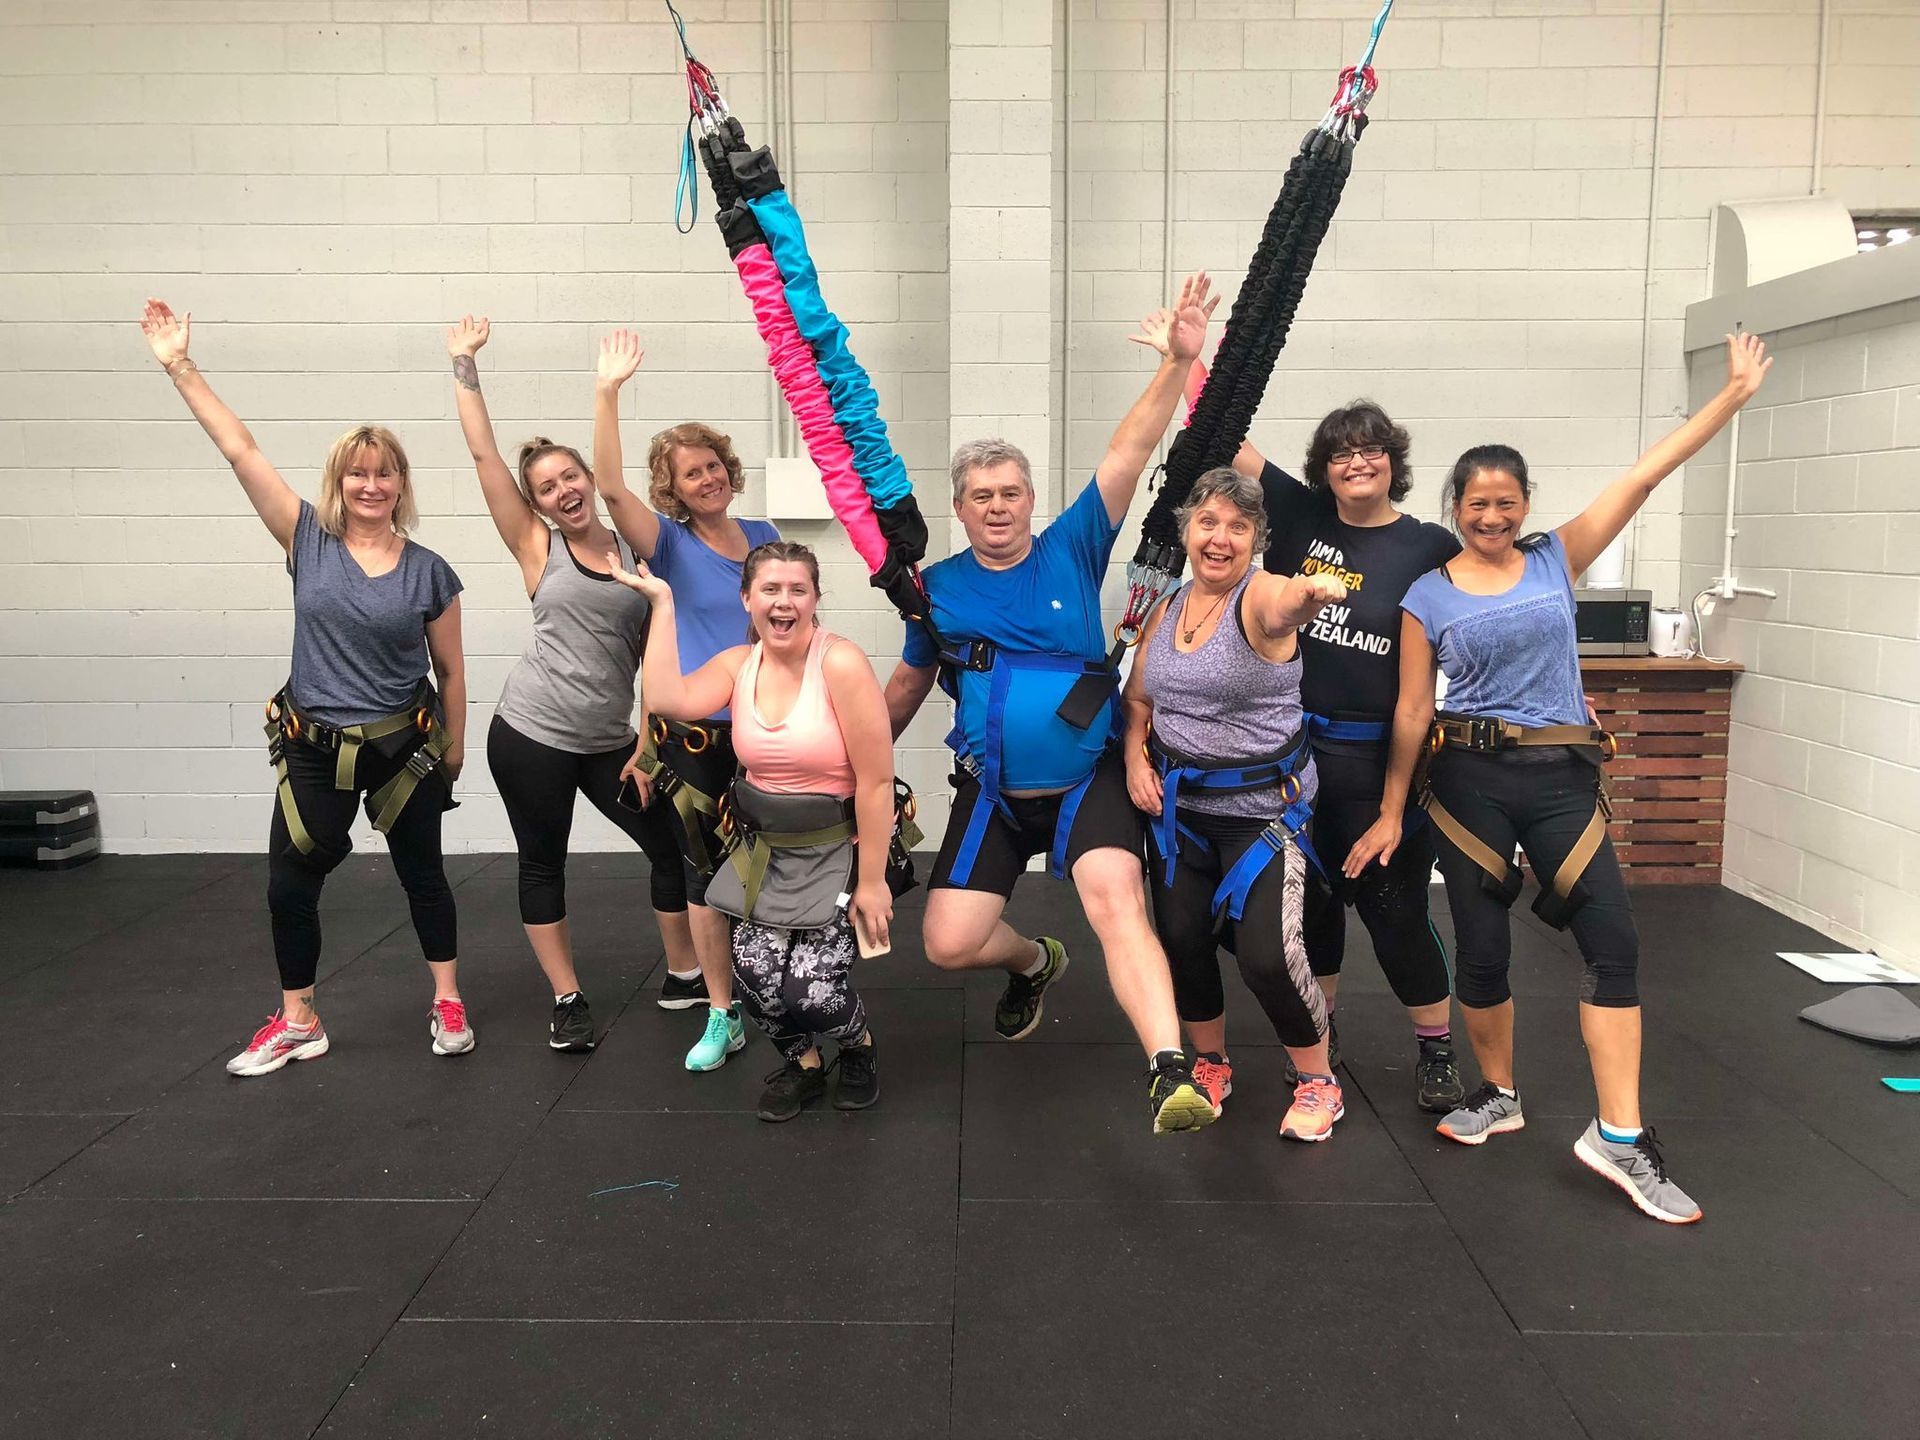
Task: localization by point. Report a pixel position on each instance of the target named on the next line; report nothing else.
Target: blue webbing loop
(686, 193)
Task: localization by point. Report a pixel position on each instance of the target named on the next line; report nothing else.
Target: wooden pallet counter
(1669, 781)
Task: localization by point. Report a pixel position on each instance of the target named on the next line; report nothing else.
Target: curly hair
(1361, 423)
(691, 435)
(1243, 492)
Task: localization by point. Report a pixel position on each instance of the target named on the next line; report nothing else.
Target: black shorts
(1106, 820)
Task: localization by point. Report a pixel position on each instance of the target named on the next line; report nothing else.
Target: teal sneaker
(1018, 1011)
(726, 1033)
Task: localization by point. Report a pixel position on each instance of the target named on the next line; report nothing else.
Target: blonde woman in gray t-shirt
(358, 716)
(564, 724)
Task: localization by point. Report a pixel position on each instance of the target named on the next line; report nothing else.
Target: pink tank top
(803, 754)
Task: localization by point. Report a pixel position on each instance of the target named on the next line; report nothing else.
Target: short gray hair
(983, 455)
(1243, 492)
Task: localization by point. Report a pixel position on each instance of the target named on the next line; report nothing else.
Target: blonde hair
(332, 509)
(689, 436)
(538, 449)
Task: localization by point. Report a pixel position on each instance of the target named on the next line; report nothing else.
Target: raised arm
(450, 670)
(1594, 528)
(518, 525)
(1178, 335)
(907, 690)
(1412, 719)
(272, 498)
(620, 356)
(668, 693)
(864, 726)
(1281, 604)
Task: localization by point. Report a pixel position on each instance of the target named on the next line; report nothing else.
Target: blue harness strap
(1320, 727)
(1178, 773)
(1238, 882)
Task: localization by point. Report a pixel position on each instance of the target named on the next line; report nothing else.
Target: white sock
(1037, 966)
(693, 974)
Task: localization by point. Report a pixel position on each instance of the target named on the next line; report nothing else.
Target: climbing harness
(286, 725)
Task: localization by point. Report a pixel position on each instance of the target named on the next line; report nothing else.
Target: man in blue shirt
(1019, 617)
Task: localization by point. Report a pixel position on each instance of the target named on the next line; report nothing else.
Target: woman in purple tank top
(1216, 753)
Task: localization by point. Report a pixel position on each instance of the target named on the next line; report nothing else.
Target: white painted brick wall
(1825, 759)
(342, 176)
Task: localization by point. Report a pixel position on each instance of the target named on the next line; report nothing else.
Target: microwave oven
(1612, 622)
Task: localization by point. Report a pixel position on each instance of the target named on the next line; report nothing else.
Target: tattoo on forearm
(466, 372)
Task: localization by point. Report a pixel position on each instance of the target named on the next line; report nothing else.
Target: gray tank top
(1223, 704)
(573, 689)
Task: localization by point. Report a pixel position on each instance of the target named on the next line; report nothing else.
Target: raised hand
(468, 336)
(166, 334)
(1191, 312)
(1747, 364)
(620, 356)
(646, 582)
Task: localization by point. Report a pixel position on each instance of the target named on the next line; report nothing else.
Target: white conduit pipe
(1062, 467)
(1646, 274)
(776, 402)
(1820, 101)
(1166, 190)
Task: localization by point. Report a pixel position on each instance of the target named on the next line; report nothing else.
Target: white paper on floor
(1850, 968)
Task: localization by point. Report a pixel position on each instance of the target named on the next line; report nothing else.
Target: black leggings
(294, 880)
(1391, 899)
(537, 784)
(1268, 941)
(1541, 799)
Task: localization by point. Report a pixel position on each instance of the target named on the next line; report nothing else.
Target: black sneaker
(678, 994)
(1020, 1003)
(1438, 1086)
(572, 1025)
(855, 1083)
(790, 1089)
(1333, 1053)
(1175, 1097)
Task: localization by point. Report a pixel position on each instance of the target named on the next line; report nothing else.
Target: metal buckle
(1485, 732)
(421, 763)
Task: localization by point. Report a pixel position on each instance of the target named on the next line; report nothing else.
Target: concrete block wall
(1823, 800)
(325, 185)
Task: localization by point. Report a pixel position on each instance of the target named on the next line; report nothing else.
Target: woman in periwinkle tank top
(1214, 701)
(1499, 619)
(564, 722)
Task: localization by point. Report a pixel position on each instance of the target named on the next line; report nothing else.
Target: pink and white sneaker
(447, 1023)
(277, 1042)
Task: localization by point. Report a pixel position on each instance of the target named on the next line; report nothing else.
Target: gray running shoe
(1639, 1169)
(1485, 1112)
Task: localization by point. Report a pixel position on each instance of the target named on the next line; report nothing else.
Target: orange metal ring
(1609, 744)
(423, 719)
(1290, 788)
(912, 807)
(293, 725)
(1436, 740)
(1126, 635)
(657, 730)
(696, 733)
(273, 710)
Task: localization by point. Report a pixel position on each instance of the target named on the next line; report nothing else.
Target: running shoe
(447, 1023)
(1292, 1075)
(1485, 1112)
(1214, 1075)
(725, 1035)
(678, 994)
(572, 1026)
(1176, 1099)
(1437, 1084)
(277, 1042)
(856, 1084)
(790, 1089)
(1639, 1169)
(1317, 1103)
(1020, 1003)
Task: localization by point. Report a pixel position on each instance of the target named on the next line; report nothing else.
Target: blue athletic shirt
(1049, 603)
(1514, 655)
(707, 613)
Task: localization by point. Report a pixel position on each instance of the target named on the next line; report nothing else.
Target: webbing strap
(391, 798)
(1230, 897)
(1320, 727)
(1063, 828)
(1584, 849)
(758, 851)
(1225, 779)
(1498, 867)
(969, 851)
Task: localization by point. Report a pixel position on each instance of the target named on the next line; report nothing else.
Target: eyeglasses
(1364, 452)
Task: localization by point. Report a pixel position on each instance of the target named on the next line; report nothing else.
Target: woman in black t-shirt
(1342, 521)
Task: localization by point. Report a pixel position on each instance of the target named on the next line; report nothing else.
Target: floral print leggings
(796, 984)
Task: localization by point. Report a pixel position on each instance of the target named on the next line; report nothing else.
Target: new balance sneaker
(790, 1089)
(856, 1084)
(1292, 1075)
(275, 1043)
(1175, 1097)
(1639, 1169)
(1021, 1002)
(572, 1026)
(1437, 1084)
(1317, 1103)
(447, 1024)
(1484, 1113)
(678, 994)
(1214, 1075)
(726, 1034)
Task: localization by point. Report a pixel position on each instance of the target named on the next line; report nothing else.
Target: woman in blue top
(688, 539)
(1518, 765)
(358, 716)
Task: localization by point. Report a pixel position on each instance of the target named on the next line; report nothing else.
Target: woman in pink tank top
(809, 723)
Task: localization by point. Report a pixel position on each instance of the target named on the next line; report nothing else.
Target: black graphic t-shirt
(1352, 649)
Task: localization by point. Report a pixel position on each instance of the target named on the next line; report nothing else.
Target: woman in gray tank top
(1217, 758)
(564, 723)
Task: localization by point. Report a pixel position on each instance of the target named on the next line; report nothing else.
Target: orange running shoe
(1316, 1105)
(1214, 1075)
